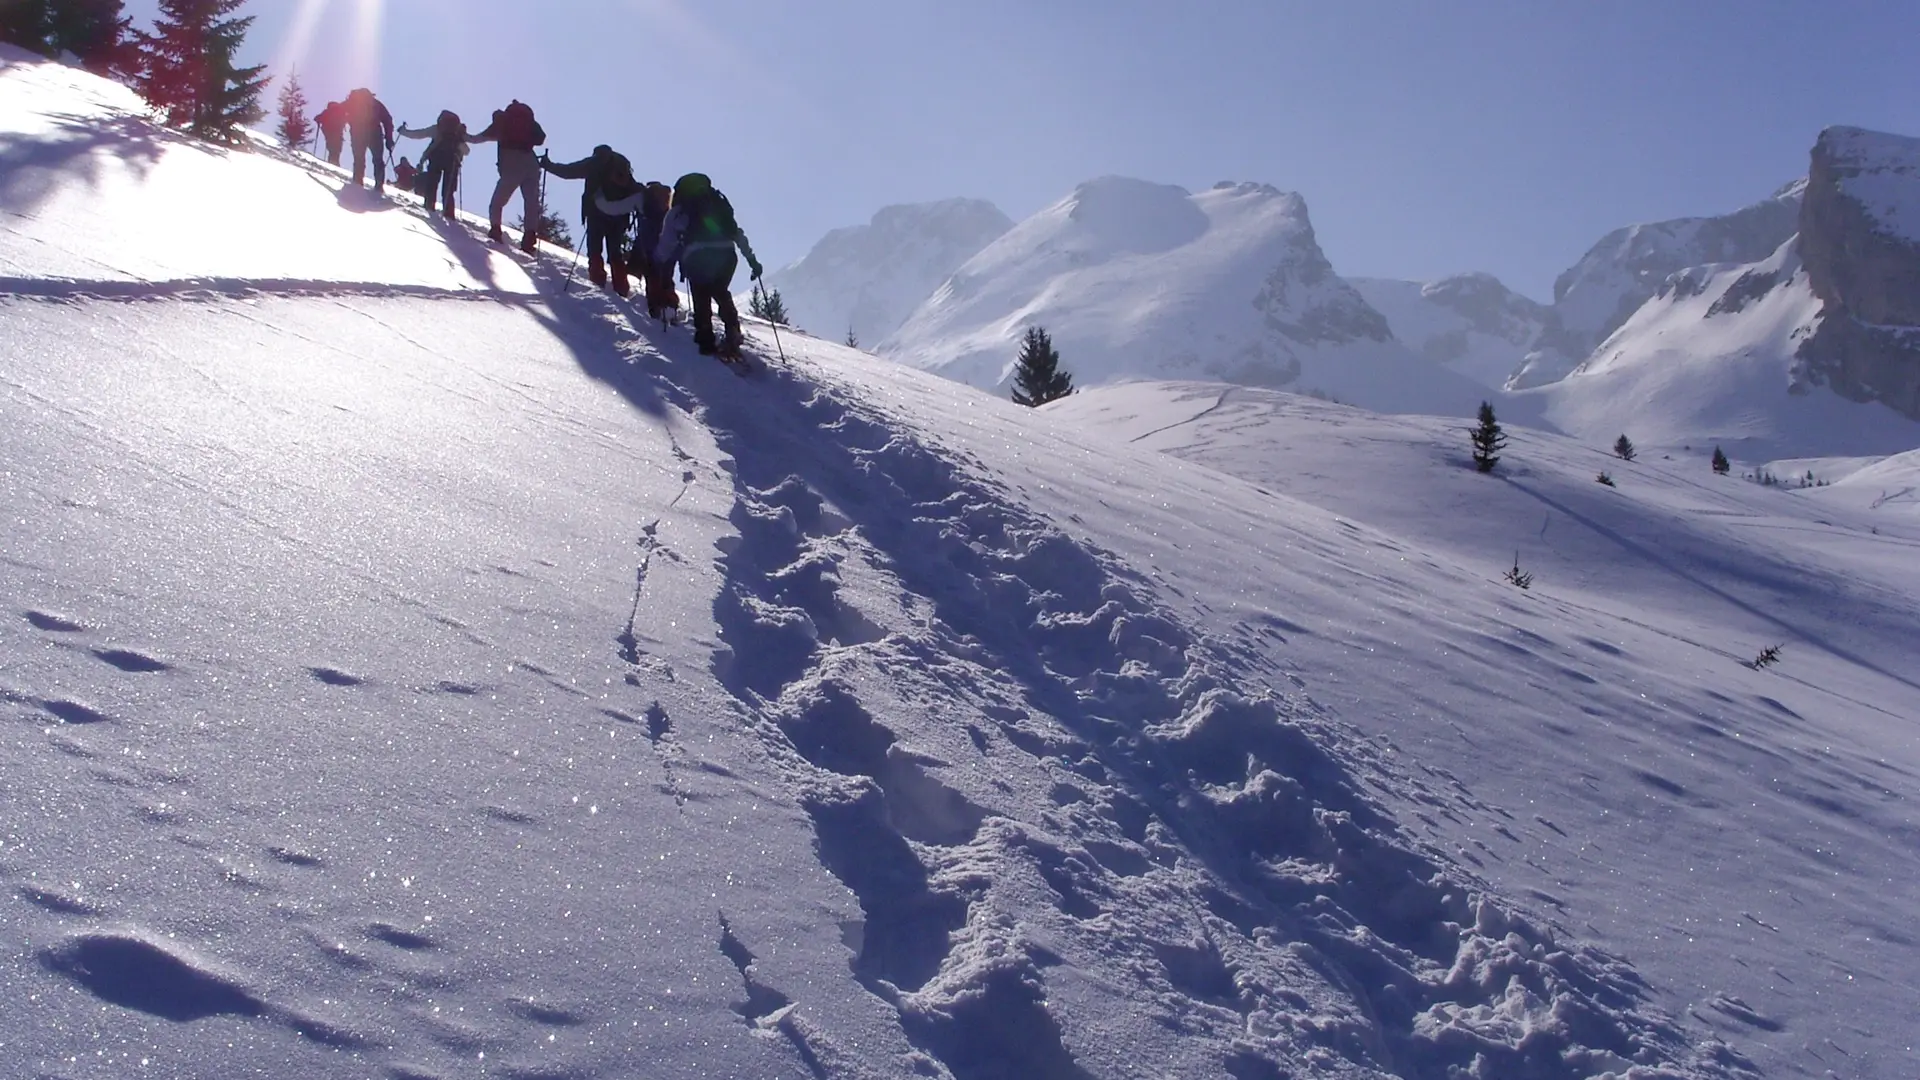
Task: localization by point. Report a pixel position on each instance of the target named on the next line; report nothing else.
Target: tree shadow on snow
(34, 166)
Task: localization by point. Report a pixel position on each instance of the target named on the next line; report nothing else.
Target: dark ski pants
(608, 235)
(443, 182)
(710, 276)
(333, 150)
(379, 150)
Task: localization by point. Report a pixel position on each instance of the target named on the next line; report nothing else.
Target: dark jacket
(606, 173)
(366, 116)
(332, 120)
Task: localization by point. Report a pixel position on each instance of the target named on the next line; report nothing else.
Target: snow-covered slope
(1135, 279)
(415, 680)
(1627, 267)
(1470, 323)
(1761, 849)
(869, 278)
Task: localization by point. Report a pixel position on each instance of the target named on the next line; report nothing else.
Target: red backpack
(518, 128)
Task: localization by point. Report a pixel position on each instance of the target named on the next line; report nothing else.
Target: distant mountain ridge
(1143, 280)
(869, 278)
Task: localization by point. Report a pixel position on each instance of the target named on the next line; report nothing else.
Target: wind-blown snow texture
(439, 677)
(869, 278)
(1748, 837)
(1141, 280)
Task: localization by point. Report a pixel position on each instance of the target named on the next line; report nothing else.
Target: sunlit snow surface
(409, 671)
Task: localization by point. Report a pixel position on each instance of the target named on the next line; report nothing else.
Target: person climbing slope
(701, 234)
(332, 122)
(517, 132)
(370, 127)
(440, 164)
(608, 176)
(663, 300)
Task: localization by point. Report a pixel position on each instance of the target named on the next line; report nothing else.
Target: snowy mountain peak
(869, 278)
(1139, 279)
(1627, 267)
(1469, 322)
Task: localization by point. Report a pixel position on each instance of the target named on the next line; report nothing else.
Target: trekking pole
(776, 328)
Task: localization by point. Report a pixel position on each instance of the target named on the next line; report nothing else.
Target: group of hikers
(690, 225)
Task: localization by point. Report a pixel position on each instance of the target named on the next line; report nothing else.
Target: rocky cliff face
(1860, 243)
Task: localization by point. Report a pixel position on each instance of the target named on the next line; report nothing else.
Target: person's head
(404, 163)
(691, 186)
(449, 119)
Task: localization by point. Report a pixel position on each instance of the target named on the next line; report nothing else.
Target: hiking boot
(596, 270)
(529, 243)
(496, 236)
(621, 283)
(730, 345)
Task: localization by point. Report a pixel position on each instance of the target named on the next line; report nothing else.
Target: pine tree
(1488, 440)
(1624, 447)
(1720, 463)
(186, 68)
(1038, 379)
(553, 228)
(765, 303)
(28, 24)
(295, 128)
(92, 30)
(852, 341)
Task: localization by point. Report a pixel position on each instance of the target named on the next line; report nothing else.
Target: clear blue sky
(1427, 136)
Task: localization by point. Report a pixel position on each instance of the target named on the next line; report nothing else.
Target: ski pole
(776, 328)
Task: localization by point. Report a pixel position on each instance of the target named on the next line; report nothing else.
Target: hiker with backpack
(651, 202)
(440, 164)
(370, 127)
(517, 132)
(609, 177)
(663, 300)
(700, 234)
(332, 122)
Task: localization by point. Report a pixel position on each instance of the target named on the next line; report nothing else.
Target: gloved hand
(754, 265)
(545, 161)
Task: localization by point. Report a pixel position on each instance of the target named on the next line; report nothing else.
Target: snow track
(889, 617)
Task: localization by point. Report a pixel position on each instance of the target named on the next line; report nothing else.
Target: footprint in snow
(131, 662)
(44, 620)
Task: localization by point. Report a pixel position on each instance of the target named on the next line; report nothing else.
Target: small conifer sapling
(1623, 446)
(1720, 463)
(1488, 439)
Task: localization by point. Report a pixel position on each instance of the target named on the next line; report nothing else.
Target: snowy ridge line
(76, 289)
(1312, 927)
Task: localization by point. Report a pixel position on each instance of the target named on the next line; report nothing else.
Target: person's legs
(449, 186)
(333, 152)
(616, 233)
(431, 183)
(596, 239)
(379, 164)
(530, 198)
(359, 162)
(497, 209)
(702, 317)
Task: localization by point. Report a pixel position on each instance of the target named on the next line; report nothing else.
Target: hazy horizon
(1498, 136)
